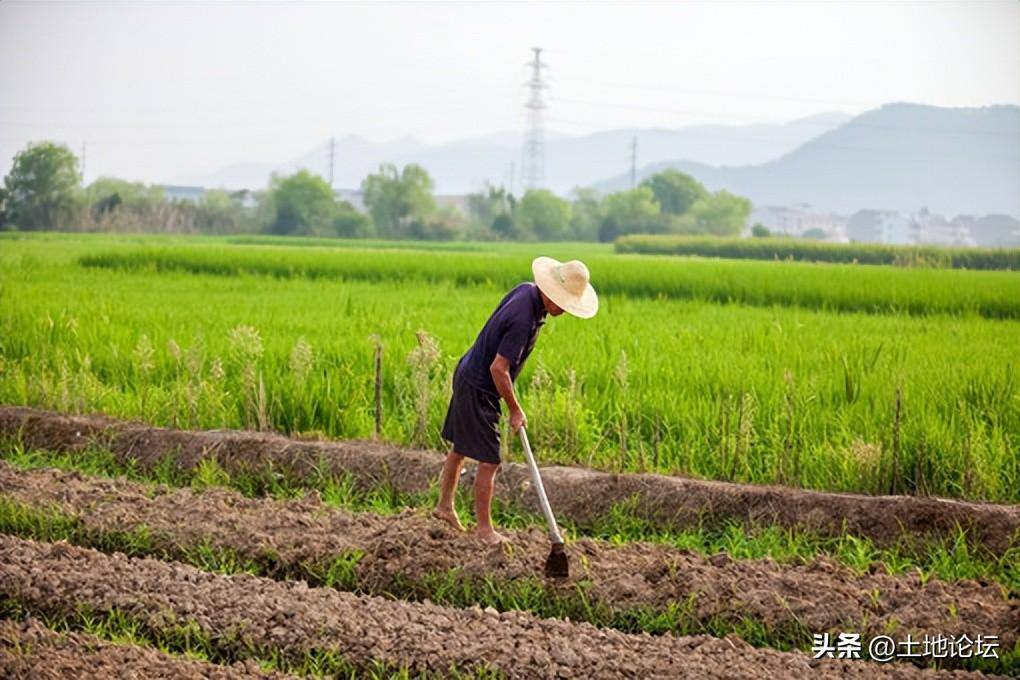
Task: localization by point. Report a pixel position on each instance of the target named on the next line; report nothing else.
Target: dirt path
(245, 611)
(579, 494)
(30, 650)
(402, 551)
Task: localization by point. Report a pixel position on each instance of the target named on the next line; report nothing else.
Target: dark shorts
(472, 422)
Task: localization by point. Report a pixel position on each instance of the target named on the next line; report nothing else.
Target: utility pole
(332, 156)
(533, 161)
(83, 162)
(633, 161)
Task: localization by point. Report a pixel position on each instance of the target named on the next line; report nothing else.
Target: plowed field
(252, 586)
(244, 614)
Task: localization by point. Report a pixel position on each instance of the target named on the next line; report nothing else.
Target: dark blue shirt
(510, 331)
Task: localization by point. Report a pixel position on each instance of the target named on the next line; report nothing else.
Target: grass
(778, 248)
(883, 400)
(828, 287)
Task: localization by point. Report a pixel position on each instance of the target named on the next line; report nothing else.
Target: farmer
(487, 372)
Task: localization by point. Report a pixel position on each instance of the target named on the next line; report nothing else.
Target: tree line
(44, 191)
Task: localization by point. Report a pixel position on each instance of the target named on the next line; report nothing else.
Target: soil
(245, 611)
(28, 649)
(578, 494)
(402, 551)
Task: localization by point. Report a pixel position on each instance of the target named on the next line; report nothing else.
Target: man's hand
(500, 371)
(517, 419)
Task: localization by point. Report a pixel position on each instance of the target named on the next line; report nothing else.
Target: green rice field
(845, 377)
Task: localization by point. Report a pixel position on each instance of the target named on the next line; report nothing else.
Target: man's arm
(500, 370)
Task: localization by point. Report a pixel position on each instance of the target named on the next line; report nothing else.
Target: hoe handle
(536, 479)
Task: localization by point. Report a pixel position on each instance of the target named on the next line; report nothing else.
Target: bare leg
(444, 509)
(484, 482)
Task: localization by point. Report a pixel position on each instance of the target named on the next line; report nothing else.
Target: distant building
(880, 226)
(993, 231)
(934, 229)
(182, 193)
(797, 219)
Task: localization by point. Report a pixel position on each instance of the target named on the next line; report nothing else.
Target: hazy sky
(157, 90)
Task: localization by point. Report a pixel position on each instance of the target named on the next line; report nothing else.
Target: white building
(798, 219)
(880, 226)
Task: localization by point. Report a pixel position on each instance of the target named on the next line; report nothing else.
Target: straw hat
(566, 284)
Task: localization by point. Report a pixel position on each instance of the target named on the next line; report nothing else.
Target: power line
(533, 161)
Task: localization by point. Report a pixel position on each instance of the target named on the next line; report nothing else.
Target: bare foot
(490, 536)
(448, 516)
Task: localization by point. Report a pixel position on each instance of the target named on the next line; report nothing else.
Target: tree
(675, 191)
(721, 213)
(488, 207)
(349, 223)
(41, 187)
(759, 230)
(302, 204)
(543, 214)
(395, 199)
(816, 234)
(629, 212)
(586, 214)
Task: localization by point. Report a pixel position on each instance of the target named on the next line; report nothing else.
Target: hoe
(556, 565)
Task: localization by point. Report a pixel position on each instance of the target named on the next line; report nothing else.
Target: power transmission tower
(332, 156)
(533, 161)
(633, 161)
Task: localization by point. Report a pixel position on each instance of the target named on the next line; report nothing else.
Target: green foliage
(760, 231)
(675, 192)
(490, 212)
(586, 214)
(397, 199)
(812, 251)
(721, 214)
(302, 203)
(107, 194)
(543, 215)
(41, 188)
(628, 212)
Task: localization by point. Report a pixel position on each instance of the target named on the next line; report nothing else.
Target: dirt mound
(401, 552)
(579, 494)
(29, 649)
(246, 612)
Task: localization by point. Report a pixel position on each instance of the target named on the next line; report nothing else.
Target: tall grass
(884, 290)
(877, 403)
(817, 251)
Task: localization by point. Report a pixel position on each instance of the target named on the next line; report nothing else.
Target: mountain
(898, 157)
(464, 165)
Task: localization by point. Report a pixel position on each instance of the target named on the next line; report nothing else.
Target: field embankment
(242, 616)
(581, 495)
(28, 649)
